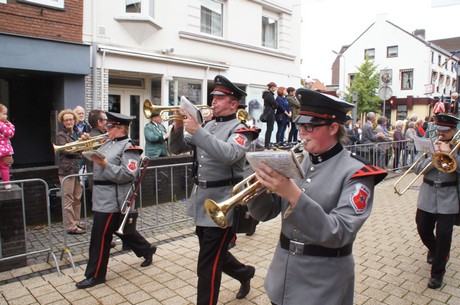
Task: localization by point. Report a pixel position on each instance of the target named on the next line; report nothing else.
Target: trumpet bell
(217, 212)
(444, 162)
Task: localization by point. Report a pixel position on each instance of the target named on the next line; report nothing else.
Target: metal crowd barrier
(28, 242)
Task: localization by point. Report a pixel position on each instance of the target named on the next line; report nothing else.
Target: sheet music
(283, 161)
(90, 153)
(188, 106)
(424, 145)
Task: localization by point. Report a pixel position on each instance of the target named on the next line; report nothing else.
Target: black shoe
(246, 285)
(148, 257)
(112, 244)
(434, 283)
(429, 258)
(86, 283)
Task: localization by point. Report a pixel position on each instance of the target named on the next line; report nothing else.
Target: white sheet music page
(282, 161)
(188, 106)
(424, 145)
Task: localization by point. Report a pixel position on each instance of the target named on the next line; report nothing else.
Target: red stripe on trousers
(102, 246)
(214, 268)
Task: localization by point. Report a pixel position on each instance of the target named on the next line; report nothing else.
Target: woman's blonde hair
(67, 111)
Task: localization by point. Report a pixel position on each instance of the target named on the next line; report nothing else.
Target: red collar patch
(359, 198)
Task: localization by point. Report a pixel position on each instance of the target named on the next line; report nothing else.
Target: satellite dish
(385, 93)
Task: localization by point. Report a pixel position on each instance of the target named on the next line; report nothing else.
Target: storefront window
(190, 88)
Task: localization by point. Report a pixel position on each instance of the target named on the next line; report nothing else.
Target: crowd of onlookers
(388, 146)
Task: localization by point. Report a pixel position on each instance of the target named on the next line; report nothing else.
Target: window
(190, 88)
(407, 78)
(401, 112)
(392, 51)
(269, 32)
(439, 60)
(211, 17)
(369, 54)
(432, 57)
(434, 76)
(51, 3)
(143, 7)
(2, 1)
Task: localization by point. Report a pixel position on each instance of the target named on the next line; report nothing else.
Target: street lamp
(342, 71)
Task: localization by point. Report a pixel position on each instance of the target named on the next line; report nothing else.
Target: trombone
(77, 146)
(150, 108)
(131, 197)
(253, 188)
(444, 162)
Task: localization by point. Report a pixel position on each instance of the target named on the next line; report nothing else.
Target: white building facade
(417, 72)
(162, 50)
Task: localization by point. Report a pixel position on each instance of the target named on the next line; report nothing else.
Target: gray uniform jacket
(122, 170)
(329, 213)
(218, 150)
(438, 200)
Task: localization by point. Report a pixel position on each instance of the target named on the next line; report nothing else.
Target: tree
(365, 83)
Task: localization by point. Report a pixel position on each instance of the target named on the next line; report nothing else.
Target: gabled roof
(444, 47)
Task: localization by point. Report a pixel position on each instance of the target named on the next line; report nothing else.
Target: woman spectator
(283, 113)
(420, 130)
(69, 165)
(399, 144)
(382, 148)
(270, 105)
(410, 135)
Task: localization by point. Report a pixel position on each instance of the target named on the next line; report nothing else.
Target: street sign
(385, 93)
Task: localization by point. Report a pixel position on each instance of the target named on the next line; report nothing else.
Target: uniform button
(200, 165)
(312, 168)
(201, 157)
(199, 175)
(308, 180)
(303, 190)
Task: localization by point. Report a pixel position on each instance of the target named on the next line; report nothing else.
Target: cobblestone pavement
(390, 266)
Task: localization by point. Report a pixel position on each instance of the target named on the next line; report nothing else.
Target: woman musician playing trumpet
(438, 203)
(322, 213)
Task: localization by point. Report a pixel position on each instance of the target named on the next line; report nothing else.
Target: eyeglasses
(310, 126)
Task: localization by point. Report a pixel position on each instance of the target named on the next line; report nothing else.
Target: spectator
(155, 137)
(384, 142)
(399, 144)
(352, 137)
(410, 135)
(81, 125)
(283, 113)
(420, 130)
(369, 138)
(98, 121)
(295, 107)
(270, 105)
(6, 149)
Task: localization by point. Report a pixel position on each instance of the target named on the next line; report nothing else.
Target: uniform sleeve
(227, 152)
(179, 142)
(265, 207)
(340, 226)
(127, 171)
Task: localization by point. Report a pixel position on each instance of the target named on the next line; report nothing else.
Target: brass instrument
(253, 188)
(131, 197)
(149, 108)
(243, 115)
(444, 162)
(78, 146)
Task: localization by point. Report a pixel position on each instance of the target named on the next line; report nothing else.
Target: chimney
(419, 33)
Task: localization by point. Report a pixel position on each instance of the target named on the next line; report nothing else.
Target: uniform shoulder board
(135, 148)
(254, 131)
(371, 170)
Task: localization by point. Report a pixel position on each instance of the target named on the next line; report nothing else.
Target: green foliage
(366, 84)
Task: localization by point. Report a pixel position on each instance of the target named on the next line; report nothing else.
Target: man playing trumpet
(438, 203)
(322, 213)
(220, 148)
(113, 177)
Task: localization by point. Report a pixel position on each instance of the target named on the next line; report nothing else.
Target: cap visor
(302, 119)
(218, 93)
(443, 128)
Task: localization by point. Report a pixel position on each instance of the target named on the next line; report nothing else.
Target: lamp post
(342, 71)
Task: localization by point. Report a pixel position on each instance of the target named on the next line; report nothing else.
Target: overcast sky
(329, 24)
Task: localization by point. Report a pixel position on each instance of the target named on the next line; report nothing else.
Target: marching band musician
(220, 147)
(438, 202)
(113, 177)
(322, 213)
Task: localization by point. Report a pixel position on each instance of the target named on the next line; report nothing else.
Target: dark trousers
(213, 259)
(269, 130)
(437, 243)
(293, 133)
(281, 132)
(104, 226)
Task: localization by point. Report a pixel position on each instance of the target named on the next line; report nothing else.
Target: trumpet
(78, 146)
(444, 162)
(130, 198)
(149, 108)
(253, 189)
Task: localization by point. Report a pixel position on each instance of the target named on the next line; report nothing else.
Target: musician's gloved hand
(190, 124)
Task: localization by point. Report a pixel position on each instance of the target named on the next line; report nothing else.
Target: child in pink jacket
(6, 149)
